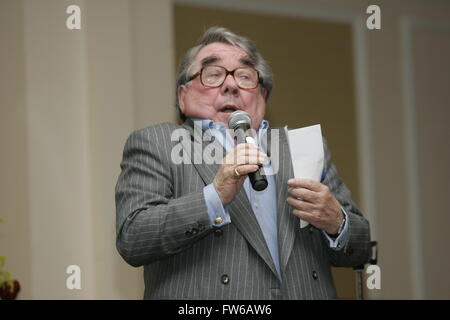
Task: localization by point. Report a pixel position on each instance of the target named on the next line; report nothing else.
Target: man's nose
(230, 85)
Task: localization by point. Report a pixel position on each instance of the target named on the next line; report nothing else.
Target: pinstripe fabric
(163, 225)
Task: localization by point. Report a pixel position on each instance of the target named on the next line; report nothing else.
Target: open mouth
(228, 109)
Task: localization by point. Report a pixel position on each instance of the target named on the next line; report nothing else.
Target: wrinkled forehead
(222, 53)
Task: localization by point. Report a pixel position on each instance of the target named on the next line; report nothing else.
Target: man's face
(198, 101)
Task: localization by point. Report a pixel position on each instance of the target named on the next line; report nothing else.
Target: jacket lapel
(240, 210)
(287, 223)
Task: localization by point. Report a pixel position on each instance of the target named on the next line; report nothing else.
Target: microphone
(240, 122)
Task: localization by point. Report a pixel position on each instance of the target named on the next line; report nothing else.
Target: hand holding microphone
(240, 122)
(245, 159)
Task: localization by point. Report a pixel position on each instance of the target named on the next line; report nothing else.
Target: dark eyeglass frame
(227, 72)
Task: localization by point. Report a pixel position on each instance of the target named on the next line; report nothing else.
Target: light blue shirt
(264, 203)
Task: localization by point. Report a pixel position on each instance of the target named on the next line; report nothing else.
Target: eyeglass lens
(214, 76)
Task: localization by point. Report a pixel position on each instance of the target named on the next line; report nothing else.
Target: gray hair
(220, 34)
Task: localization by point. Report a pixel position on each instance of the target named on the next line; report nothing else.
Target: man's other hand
(313, 202)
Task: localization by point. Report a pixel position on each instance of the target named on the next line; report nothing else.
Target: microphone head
(239, 119)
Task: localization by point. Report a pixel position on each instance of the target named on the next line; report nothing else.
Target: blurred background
(70, 98)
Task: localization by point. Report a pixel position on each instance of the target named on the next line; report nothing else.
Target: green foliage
(5, 276)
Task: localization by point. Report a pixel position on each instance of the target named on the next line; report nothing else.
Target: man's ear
(264, 93)
(181, 96)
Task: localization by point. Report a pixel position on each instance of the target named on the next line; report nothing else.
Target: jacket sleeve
(357, 249)
(150, 222)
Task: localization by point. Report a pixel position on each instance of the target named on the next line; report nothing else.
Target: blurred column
(57, 115)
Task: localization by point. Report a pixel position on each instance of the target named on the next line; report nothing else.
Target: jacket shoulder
(162, 130)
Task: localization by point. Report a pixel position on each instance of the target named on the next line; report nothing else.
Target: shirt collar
(210, 124)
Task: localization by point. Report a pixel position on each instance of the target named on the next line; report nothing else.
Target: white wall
(71, 105)
(15, 231)
(427, 101)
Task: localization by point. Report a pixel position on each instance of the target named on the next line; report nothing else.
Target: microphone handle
(258, 179)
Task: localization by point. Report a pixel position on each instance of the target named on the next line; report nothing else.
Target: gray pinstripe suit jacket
(163, 225)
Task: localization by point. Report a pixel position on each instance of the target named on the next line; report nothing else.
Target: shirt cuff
(341, 241)
(218, 215)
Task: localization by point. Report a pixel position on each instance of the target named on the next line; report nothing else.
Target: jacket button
(194, 231)
(218, 232)
(225, 279)
(218, 220)
(315, 275)
(311, 229)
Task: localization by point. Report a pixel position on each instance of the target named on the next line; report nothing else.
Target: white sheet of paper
(306, 148)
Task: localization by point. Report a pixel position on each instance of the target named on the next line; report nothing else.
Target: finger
(249, 148)
(252, 159)
(250, 152)
(241, 152)
(246, 153)
(304, 194)
(300, 205)
(236, 156)
(246, 148)
(245, 169)
(308, 217)
(243, 155)
(305, 183)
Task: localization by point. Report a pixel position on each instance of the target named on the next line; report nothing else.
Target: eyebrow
(211, 59)
(247, 62)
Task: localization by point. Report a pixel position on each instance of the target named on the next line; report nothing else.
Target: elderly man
(199, 229)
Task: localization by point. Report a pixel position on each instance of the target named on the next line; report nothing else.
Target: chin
(222, 117)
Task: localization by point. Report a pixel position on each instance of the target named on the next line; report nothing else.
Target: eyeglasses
(214, 76)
